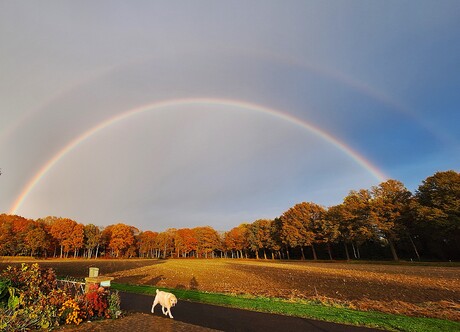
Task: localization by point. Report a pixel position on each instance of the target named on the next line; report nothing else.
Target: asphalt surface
(229, 319)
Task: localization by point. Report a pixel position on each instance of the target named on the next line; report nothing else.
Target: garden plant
(31, 299)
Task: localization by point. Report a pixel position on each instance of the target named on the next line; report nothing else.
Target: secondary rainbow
(379, 175)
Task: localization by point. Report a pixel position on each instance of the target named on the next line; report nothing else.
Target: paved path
(229, 319)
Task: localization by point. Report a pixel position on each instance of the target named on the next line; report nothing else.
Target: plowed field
(431, 291)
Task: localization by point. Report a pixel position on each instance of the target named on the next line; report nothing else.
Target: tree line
(384, 222)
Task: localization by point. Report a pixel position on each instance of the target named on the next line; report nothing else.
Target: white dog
(166, 300)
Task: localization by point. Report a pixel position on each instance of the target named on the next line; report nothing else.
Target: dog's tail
(157, 290)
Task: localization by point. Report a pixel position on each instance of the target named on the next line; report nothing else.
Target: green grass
(305, 309)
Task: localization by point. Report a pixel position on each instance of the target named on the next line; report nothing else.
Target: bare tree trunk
(346, 250)
(314, 252)
(393, 250)
(329, 250)
(354, 250)
(415, 248)
(303, 255)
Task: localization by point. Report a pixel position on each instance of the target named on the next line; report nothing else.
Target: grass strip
(305, 309)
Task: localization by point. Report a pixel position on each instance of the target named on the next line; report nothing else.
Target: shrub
(70, 312)
(33, 298)
(94, 303)
(30, 299)
(114, 305)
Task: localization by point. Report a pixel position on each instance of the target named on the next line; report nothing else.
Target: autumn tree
(106, 235)
(207, 240)
(47, 223)
(185, 242)
(275, 238)
(7, 239)
(121, 238)
(13, 230)
(77, 238)
(337, 216)
(93, 237)
(236, 240)
(62, 230)
(132, 249)
(37, 239)
(20, 228)
(319, 227)
(165, 241)
(389, 208)
(327, 230)
(259, 236)
(354, 224)
(297, 226)
(438, 212)
(146, 243)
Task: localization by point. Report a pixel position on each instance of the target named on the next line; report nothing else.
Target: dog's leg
(164, 310)
(154, 304)
(169, 310)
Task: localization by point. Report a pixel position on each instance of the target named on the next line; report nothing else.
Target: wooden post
(95, 279)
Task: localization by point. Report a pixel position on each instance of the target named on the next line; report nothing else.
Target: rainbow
(61, 93)
(379, 175)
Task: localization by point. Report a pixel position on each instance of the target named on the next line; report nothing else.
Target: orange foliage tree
(7, 243)
(121, 238)
(297, 229)
(77, 238)
(93, 237)
(165, 242)
(185, 241)
(13, 230)
(354, 226)
(389, 207)
(207, 241)
(259, 236)
(146, 243)
(236, 240)
(62, 230)
(385, 214)
(37, 239)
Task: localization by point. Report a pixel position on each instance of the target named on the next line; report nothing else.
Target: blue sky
(376, 80)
